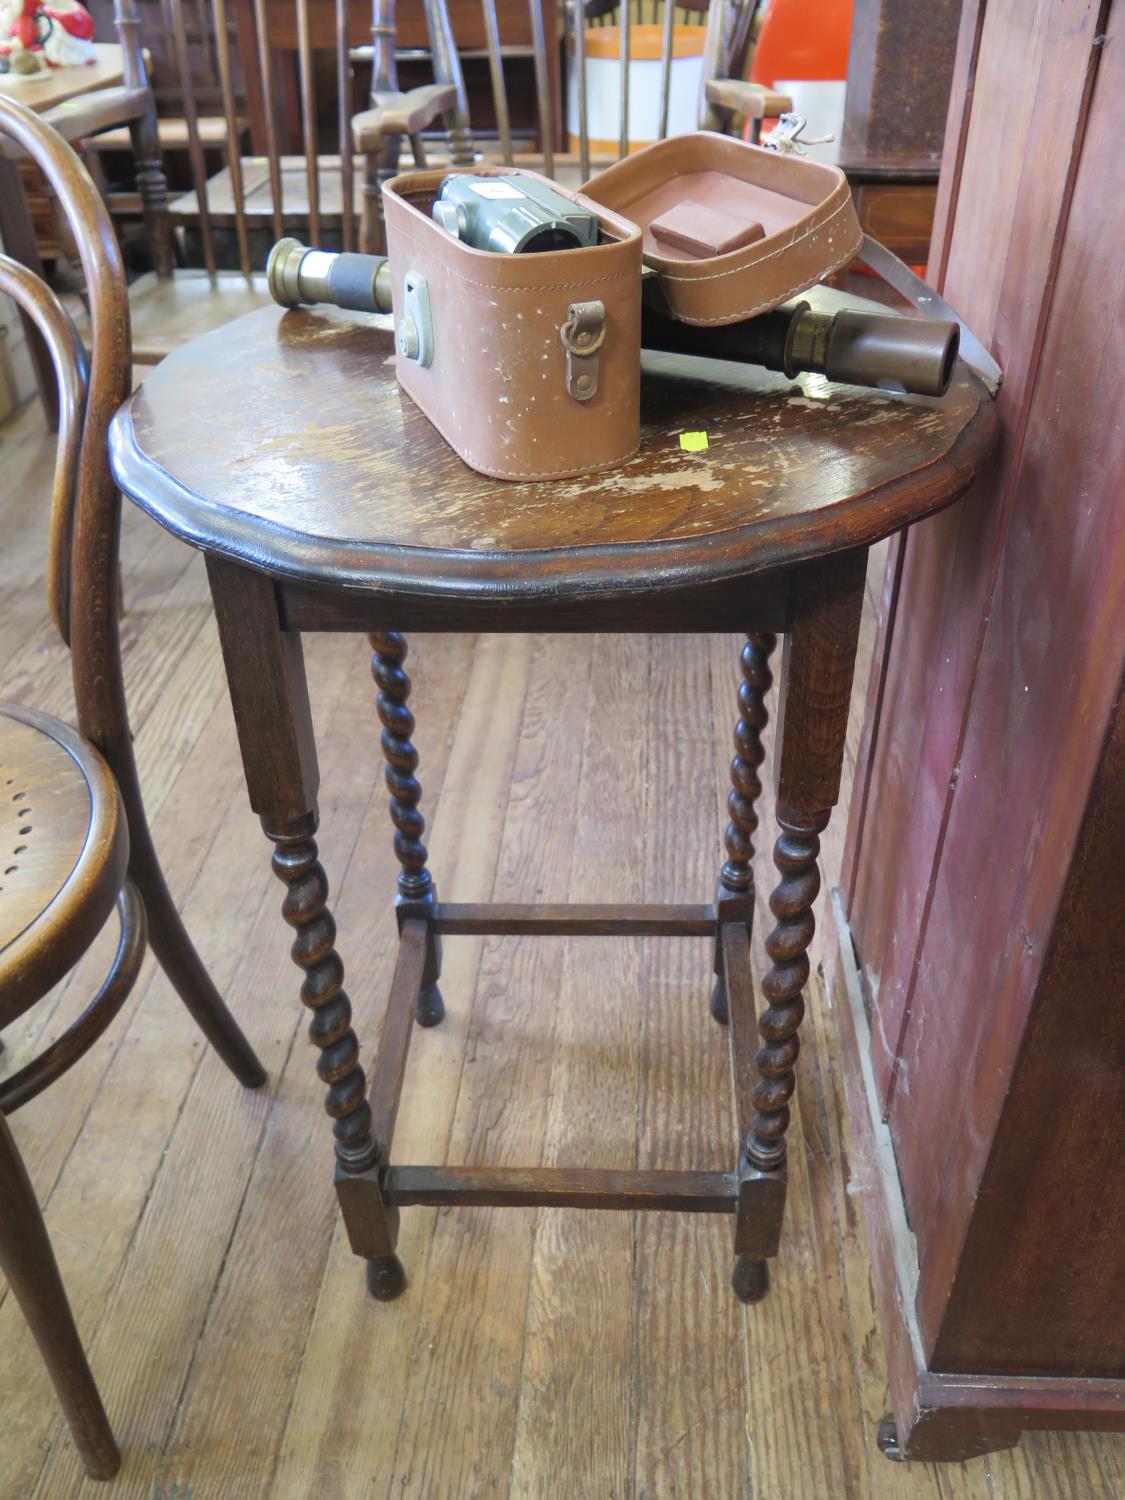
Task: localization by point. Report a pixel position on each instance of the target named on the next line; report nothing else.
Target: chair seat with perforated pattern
(64, 849)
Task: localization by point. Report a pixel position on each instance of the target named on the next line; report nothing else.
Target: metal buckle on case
(583, 334)
(415, 332)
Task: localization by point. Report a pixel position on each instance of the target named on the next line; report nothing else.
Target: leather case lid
(724, 187)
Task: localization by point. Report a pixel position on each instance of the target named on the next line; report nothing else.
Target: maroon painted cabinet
(981, 912)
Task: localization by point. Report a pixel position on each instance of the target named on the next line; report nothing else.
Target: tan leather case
(731, 230)
(804, 208)
(497, 385)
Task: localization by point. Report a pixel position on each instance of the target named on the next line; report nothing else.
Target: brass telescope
(852, 347)
(300, 277)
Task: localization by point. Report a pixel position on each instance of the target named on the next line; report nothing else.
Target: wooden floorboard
(536, 1353)
(342, 1433)
(691, 1430)
(578, 1322)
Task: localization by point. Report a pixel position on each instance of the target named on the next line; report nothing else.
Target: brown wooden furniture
(103, 99)
(378, 131)
(317, 196)
(26, 219)
(725, 99)
(114, 92)
(64, 852)
(174, 137)
(900, 64)
(59, 85)
(313, 194)
(74, 842)
(980, 918)
(325, 500)
(726, 96)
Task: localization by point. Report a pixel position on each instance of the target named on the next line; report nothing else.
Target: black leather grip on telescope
(352, 279)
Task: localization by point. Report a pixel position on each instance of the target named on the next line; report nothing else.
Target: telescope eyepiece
(299, 277)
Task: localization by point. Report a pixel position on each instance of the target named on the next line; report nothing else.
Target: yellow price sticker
(693, 442)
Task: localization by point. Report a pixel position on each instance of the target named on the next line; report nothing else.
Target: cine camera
(513, 214)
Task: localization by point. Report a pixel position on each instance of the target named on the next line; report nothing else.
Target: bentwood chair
(74, 842)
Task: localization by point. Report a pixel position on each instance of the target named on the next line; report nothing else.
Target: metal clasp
(415, 332)
(583, 334)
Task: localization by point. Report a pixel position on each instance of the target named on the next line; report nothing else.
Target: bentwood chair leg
(735, 898)
(27, 1260)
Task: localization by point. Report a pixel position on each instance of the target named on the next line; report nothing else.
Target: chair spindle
(308, 117)
(195, 145)
(234, 143)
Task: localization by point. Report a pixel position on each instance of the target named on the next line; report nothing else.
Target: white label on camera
(496, 189)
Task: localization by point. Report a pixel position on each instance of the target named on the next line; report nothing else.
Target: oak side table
(281, 446)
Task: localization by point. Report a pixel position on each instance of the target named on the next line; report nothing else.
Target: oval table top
(282, 440)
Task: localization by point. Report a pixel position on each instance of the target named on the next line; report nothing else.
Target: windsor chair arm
(395, 113)
(751, 100)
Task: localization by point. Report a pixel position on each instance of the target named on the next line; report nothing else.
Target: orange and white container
(604, 91)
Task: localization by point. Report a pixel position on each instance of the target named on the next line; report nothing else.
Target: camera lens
(553, 237)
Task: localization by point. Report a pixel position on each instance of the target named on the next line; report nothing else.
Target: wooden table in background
(26, 224)
(61, 84)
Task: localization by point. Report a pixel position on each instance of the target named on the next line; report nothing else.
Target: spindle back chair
(326, 198)
(335, 199)
(724, 96)
(131, 104)
(314, 193)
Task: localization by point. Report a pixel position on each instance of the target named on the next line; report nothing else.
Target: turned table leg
(818, 662)
(417, 894)
(734, 901)
(269, 693)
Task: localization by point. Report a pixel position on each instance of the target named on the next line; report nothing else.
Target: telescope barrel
(856, 348)
(298, 276)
